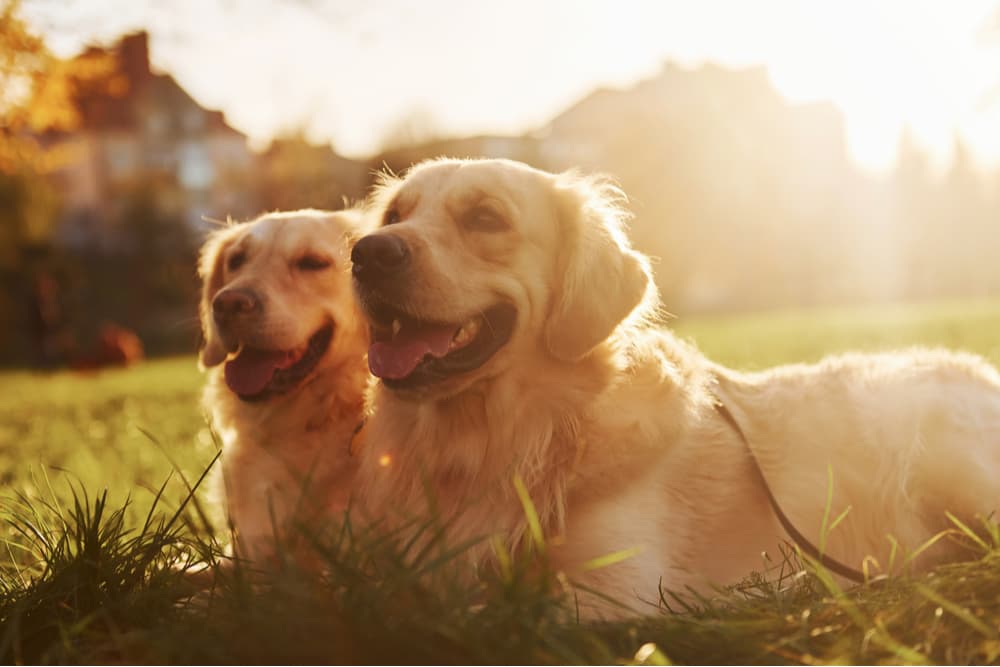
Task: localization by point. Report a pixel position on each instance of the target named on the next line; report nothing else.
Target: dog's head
(276, 304)
(476, 261)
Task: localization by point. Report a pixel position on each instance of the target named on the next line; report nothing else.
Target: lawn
(91, 578)
(124, 430)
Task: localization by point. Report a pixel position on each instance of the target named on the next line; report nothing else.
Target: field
(88, 577)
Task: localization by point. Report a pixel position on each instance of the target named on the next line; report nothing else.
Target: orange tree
(37, 91)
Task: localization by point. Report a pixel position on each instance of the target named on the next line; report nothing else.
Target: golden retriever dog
(514, 336)
(285, 348)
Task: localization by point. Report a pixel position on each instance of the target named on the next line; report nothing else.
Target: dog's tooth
(396, 326)
(465, 334)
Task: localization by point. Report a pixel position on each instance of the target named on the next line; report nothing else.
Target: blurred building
(141, 131)
(726, 178)
(293, 173)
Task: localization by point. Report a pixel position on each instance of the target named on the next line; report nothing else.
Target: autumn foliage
(36, 93)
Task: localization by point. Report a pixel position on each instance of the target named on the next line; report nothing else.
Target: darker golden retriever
(285, 349)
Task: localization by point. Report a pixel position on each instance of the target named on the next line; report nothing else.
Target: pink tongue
(249, 373)
(397, 358)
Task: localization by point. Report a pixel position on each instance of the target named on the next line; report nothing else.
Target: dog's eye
(236, 260)
(391, 217)
(312, 263)
(482, 219)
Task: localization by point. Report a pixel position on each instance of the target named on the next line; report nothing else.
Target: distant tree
(28, 206)
(969, 228)
(911, 162)
(36, 97)
(963, 179)
(37, 91)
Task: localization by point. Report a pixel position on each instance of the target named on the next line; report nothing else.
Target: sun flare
(927, 65)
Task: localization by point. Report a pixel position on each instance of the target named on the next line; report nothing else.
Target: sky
(354, 73)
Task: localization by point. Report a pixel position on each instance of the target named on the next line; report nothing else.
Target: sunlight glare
(928, 65)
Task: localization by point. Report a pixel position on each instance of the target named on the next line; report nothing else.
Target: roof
(123, 99)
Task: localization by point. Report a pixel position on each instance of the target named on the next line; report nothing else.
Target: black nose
(231, 303)
(379, 256)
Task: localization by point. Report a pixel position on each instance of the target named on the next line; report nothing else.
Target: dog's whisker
(482, 314)
(228, 222)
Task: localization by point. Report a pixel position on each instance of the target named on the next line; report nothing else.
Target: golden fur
(610, 421)
(286, 458)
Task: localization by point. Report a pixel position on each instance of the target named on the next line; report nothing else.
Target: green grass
(752, 342)
(123, 430)
(97, 515)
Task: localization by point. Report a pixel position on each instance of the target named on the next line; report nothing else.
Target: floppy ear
(602, 279)
(210, 268)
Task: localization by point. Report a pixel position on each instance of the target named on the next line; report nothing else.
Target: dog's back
(906, 437)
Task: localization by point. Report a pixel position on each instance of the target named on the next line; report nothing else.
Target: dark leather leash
(803, 543)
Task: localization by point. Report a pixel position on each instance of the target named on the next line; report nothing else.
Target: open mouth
(255, 374)
(407, 352)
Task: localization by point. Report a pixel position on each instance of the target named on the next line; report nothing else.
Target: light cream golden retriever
(285, 346)
(512, 334)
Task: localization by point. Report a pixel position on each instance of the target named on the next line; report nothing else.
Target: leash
(803, 543)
